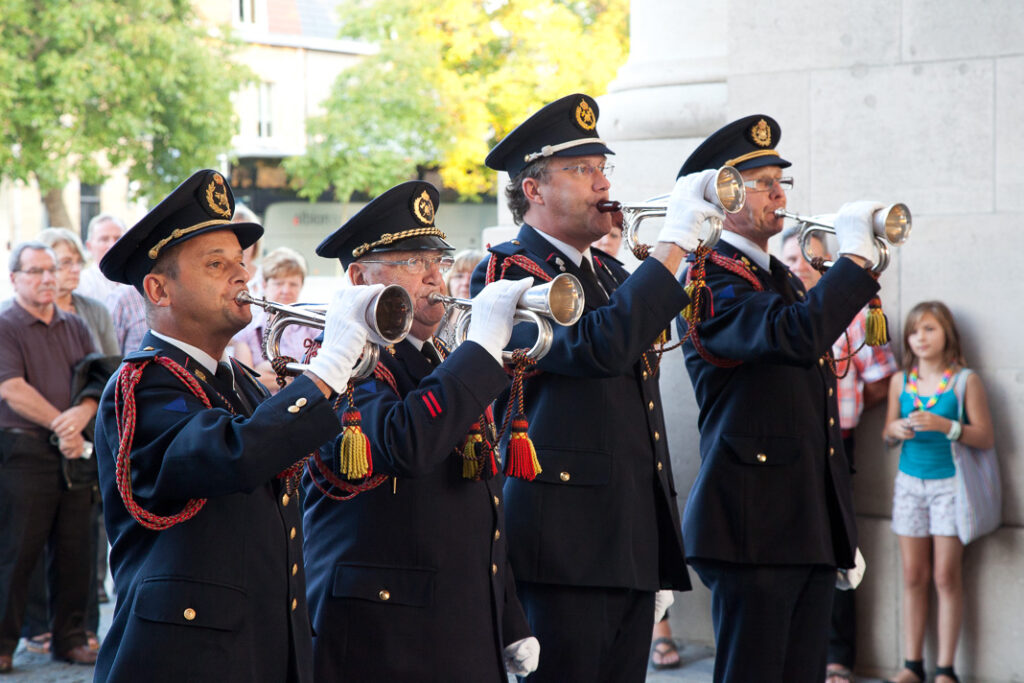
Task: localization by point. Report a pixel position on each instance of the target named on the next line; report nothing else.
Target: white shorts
(924, 507)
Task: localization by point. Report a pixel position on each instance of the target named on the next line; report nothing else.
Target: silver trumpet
(389, 316)
(891, 225)
(560, 300)
(727, 193)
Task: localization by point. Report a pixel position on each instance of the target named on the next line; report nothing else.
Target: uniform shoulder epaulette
(507, 248)
(148, 353)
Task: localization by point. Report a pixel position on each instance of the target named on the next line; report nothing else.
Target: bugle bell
(388, 315)
(891, 225)
(560, 300)
(727, 193)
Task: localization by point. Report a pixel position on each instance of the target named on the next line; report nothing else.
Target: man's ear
(531, 190)
(357, 274)
(155, 287)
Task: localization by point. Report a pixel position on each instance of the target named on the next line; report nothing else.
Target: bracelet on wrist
(955, 429)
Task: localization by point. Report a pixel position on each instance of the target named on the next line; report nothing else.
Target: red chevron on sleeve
(432, 405)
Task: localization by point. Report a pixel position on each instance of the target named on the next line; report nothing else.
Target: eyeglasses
(69, 264)
(768, 184)
(36, 272)
(418, 265)
(586, 169)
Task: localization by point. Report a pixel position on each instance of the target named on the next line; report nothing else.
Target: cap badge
(585, 117)
(761, 134)
(217, 201)
(423, 208)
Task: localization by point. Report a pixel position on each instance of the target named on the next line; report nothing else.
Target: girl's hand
(923, 421)
(901, 429)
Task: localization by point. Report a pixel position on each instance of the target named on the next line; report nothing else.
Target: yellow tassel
(876, 328)
(354, 461)
(471, 464)
(521, 461)
(688, 309)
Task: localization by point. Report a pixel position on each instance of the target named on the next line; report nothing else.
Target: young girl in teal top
(923, 413)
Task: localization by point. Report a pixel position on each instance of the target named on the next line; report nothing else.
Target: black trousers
(37, 512)
(771, 621)
(842, 636)
(598, 635)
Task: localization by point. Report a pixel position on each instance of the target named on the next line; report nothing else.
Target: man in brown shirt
(39, 346)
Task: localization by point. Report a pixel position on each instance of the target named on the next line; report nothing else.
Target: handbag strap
(960, 388)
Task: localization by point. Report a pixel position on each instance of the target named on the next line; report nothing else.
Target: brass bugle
(727, 193)
(561, 300)
(891, 225)
(388, 316)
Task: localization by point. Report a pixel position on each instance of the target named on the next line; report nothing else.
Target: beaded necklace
(912, 388)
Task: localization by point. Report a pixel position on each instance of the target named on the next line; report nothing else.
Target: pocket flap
(385, 585)
(187, 602)
(763, 451)
(574, 468)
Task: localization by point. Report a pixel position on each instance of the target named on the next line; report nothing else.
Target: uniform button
(293, 409)
(496, 501)
(497, 534)
(189, 614)
(565, 476)
(301, 401)
(295, 603)
(831, 451)
(650, 405)
(645, 374)
(494, 569)
(830, 392)
(821, 361)
(385, 594)
(295, 569)
(284, 499)
(761, 457)
(831, 421)
(291, 534)
(657, 436)
(660, 466)
(148, 348)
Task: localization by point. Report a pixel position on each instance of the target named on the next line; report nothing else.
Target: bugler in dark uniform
(409, 580)
(597, 532)
(770, 514)
(206, 547)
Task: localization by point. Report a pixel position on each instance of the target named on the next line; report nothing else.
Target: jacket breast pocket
(187, 602)
(574, 468)
(412, 587)
(763, 451)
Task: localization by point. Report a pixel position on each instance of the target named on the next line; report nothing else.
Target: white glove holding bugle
(345, 335)
(855, 231)
(688, 209)
(493, 310)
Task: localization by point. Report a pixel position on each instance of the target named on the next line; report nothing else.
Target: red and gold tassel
(876, 328)
(354, 458)
(521, 459)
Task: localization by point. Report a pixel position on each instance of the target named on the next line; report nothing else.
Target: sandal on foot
(664, 648)
(39, 644)
(946, 671)
(914, 666)
(837, 672)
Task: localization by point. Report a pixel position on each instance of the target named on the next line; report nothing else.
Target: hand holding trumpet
(854, 229)
(688, 210)
(345, 335)
(493, 311)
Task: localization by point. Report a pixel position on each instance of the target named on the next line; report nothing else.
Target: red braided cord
(738, 268)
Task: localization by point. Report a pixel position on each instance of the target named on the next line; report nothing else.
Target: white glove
(848, 579)
(493, 308)
(522, 656)
(854, 229)
(663, 599)
(688, 209)
(345, 335)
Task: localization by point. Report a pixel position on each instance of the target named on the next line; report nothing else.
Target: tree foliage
(452, 77)
(94, 84)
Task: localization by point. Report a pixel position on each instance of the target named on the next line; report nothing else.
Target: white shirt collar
(205, 359)
(754, 252)
(418, 343)
(574, 254)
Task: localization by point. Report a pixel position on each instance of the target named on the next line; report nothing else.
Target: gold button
(657, 436)
(660, 466)
(831, 421)
(497, 534)
(201, 375)
(295, 569)
(291, 534)
(295, 603)
(565, 476)
(285, 498)
(148, 348)
(831, 451)
(830, 392)
(645, 374)
(293, 409)
(761, 457)
(496, 501)
(384, 594)
(189, 614)
(494, 569)
(650, 405)
(821, 361)
(301, 401)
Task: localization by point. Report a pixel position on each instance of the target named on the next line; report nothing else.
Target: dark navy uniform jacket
(603, 512)
(410, 581)
(220, 597)
(774, 486)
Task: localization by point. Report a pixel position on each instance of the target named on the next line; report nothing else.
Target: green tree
(95, 84)
(451, 78)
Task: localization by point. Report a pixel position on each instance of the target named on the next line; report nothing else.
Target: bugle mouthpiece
(609, 206)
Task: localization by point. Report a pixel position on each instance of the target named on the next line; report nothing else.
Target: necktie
(590, 278)
(227, 378)
(430, 353)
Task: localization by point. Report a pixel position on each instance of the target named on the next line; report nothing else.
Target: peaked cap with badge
(201, 204)
(400, 219)
(565, 128)
(744, 144)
